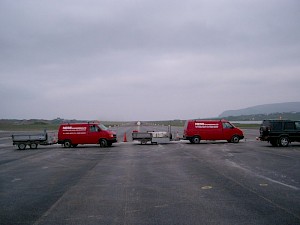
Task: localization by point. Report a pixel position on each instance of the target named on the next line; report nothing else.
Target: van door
(215, 131)
(93, 134)
(228, 131)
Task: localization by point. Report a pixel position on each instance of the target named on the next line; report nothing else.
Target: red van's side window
(227, 125)
(93, 128)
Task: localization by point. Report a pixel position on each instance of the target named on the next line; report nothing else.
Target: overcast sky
(145, 59)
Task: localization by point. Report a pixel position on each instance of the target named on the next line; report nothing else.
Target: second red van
(197, 130)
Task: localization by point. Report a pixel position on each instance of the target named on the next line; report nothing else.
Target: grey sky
(144, 59)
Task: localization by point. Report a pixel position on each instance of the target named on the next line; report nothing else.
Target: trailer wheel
(22, 146)
(103, 143)
(33, 146)
(67, 144)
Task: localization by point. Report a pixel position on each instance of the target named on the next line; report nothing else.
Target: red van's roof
(80, 124)
(209, 120)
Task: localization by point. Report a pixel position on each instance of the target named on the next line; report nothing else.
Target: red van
(70, 135)
(197, 130)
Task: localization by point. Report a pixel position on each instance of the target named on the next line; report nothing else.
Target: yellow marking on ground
(206, 187)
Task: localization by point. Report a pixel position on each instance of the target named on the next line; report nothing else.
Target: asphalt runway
(178, 183)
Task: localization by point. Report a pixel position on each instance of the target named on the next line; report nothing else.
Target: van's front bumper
(114, 140)
(187, 138)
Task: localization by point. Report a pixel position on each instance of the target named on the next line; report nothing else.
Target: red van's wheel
(235, 139)
(67, 144)
(196, 140)
(103, 143)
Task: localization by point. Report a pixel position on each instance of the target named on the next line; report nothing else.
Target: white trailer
(33, 140)
(154, 137)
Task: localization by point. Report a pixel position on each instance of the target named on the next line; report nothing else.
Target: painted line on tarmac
(249, 188)
(206, 187)
(278, 182)
(264, 177)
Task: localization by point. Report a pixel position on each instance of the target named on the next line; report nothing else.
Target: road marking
(161, 206)
(16, 179)
(245, 186)
(206, 187)
(278, 182)
(264, 177)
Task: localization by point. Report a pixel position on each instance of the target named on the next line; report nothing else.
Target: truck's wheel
(103, 143)
(235, 139)
(22, 146)
(196, 140)
(67, 144)
(284, 141)
(33, 146)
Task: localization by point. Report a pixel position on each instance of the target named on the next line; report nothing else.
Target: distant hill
(264, 109)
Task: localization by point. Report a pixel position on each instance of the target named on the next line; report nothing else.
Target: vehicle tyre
(235, 139)
(67, 144)
(196, 140)
(33, 146)
(284, 141)
(22, 146)
(103, 143)
(143, 142)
